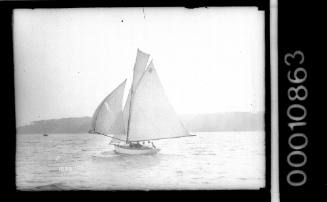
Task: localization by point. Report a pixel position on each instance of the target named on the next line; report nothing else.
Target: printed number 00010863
(297, 93)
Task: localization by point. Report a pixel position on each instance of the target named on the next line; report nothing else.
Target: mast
(130, 106)
(139, 70)
(129, 115)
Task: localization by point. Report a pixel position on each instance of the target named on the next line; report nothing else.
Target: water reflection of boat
(122, 161)
(147, 114)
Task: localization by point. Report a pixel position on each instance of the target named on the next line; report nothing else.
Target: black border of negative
(6, 57)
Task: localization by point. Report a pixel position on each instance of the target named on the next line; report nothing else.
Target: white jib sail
(152, 117)
(118, 129)
(139, 68)
(107, 118)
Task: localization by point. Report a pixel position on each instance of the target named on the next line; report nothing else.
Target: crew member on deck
(138, 145)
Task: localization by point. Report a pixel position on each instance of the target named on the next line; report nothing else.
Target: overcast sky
(67, 60)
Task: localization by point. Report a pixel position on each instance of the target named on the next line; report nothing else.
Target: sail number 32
(296, 113)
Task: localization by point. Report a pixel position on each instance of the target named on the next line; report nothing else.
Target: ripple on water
(190, 163)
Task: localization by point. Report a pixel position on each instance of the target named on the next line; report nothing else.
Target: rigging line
(190, 135)
(107, 136)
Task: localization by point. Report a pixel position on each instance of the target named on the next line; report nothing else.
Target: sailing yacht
(147, 114)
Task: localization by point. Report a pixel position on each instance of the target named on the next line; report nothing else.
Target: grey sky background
(67, 60)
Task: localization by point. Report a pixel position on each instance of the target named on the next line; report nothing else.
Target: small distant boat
(92, 132)
(45, 134)
(146, 116)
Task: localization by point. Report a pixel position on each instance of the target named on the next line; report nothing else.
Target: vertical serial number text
(296, 114)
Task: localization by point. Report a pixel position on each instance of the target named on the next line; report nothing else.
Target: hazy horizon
(67, 60)
(180, 115)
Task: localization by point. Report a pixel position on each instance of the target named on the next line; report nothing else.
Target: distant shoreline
(214, 122)
(192, 132)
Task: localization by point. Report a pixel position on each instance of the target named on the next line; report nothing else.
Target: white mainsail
(139, 68)
(151, 116)
(108, 118)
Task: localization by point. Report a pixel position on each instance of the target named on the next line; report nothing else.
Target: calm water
(215, 160)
